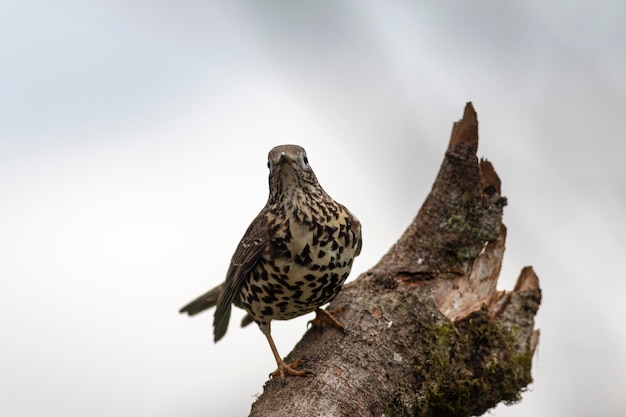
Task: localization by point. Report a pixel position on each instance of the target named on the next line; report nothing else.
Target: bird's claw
(285, 369)
(324, 317)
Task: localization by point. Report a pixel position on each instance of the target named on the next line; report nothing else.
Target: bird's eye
(268, 164)
(306, 160)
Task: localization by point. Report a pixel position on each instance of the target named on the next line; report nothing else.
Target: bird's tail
(205, 301)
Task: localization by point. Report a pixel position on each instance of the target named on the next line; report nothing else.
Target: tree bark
(427, 333)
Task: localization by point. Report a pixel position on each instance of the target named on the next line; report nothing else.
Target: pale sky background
(133, 143)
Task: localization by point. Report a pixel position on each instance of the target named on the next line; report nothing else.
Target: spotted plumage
(294, 257)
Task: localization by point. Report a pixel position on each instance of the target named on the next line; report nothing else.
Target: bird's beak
(283, 158)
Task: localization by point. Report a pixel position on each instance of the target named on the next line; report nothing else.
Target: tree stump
(427, 333)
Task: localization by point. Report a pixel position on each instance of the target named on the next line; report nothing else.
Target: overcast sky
(133, 145)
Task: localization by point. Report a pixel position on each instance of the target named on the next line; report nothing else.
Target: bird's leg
(323, 317)
(283, 368)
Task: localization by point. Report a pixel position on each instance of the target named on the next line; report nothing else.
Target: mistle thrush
(294, 257)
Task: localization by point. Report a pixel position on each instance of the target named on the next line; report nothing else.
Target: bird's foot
(285, 369)
(324, 317)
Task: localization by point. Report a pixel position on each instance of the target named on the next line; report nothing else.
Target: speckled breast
(303, 267)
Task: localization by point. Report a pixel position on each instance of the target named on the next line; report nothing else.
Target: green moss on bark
(470, 366)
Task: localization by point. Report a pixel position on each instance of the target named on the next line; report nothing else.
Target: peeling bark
(426, 331)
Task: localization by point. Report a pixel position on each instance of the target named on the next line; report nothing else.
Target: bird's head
(291, 176)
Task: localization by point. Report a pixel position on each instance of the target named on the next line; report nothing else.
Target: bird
(293, 258)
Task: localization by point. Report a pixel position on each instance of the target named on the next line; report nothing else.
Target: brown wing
(244, 259)
(355, 227)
